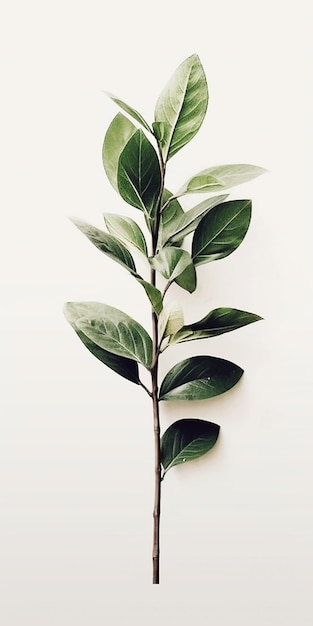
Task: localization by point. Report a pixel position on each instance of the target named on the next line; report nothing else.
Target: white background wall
(76, 440)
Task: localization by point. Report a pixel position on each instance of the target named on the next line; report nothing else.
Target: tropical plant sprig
(135, 157)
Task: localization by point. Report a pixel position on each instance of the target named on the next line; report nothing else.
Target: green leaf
(171, 319)
(118, 134)
(170, 262)
(217, 322)
(186, 440)
(187, 222)
(221, 231)
(132, 112)
(123, 366)
(219, 178)
(153, 294)
(127, 230)
(115, 331)
(172, 212)
(108, 244)
(139, 175)
(182, 106)
(188, 279)
(199, 378)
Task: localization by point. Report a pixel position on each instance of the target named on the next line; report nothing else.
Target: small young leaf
(115, 331)
(127, 230)
(171, 319)
(171, 262)
(186, 440)
(181, 106)
(139, 175)
(186, 223)
(199, 378)
(153, 294)
(221, 231)
(108, 244)
(217, 322)
(220, 177)
(172, 212)
(132, 112)
(123, 366)
(119, 132)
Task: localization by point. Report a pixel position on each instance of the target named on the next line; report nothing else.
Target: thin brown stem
(155, 402)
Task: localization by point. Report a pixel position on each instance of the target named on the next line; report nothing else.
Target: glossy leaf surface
(220, 177)
(187, 279)
(181, 106)
(171, 262)
(172, 212)
(171, 319)
(153, 294)
(123, 366)
(139, 176)
(184, 224)
(221, 231)
(199, 378)
(130, 110)
(186, 440)
(108, 244)
(115, 331)
(118, 134)
(127, 230)
(217, 322)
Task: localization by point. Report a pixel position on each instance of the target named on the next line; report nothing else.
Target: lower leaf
(127, 368)
(186, 440)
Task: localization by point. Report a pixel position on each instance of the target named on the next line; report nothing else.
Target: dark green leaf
(219, 178)
(121, 365)
(221, 231)
(186, 440)
(108, 244)
(153, 294)
(139, 175)
(188, 279)
(198, 378)
(186, 223)
(132, 112)
(217, 322)
(171, 262)
(119, 132)
(115, 331)
(181, 106)
(127, 230)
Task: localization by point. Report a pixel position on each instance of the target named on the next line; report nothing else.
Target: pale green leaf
(171, 319)
(117, 332)
(109, 245)
(127, 230)
(139, 175)
(219, 178)
(186, 440)
(119, 132)
(199, 378)
(171, 262)
(172, 211)
(123, 366)
(132, 112)
(221, 231)
(217, 322)
(181, 106)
